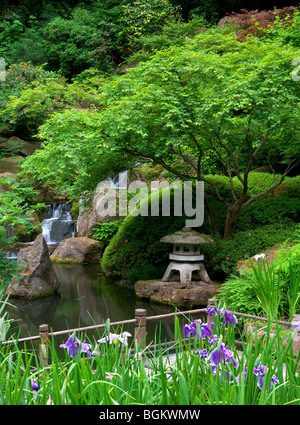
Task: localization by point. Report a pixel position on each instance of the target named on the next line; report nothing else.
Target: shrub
(105, 231)
(18, 77)
(137, 241)
(240, 293)
(269, 211)
(76, 44)
(222, 256)
(14, 214)
(144, 18)
(259, 182)
(223, 184)
(289, 188)
(257, 23)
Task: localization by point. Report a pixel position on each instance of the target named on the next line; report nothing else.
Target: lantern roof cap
(187, 236)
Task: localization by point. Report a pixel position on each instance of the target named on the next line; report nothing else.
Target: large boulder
(17, 146)
(194, 294)
(104, 205)
(98, 212)
(78, 251)
(10, 164)
(37, 276)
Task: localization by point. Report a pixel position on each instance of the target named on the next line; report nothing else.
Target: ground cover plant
(267, 288)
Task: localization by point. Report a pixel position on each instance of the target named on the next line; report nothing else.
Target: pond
(86, 297)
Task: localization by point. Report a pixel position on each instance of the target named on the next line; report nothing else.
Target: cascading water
(12, 255)
(119, 181)
(58, 224)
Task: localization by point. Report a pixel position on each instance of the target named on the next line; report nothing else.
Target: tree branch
(287, 170)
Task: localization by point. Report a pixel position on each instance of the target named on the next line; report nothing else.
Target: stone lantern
(186, 257)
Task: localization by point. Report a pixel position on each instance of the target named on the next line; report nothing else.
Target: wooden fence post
(296, 340)
(210, 303)
(140, 327)
(43, 347)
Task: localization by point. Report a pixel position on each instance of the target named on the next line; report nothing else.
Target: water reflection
(86, 296)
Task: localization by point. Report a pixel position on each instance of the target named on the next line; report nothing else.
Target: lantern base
(185, 271)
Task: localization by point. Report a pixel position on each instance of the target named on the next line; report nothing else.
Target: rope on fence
(140, 331)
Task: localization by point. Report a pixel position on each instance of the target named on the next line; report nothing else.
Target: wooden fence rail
(140, 322)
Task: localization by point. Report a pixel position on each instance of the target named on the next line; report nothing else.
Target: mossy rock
(194, 294)
(78, 251)
(270, 255)
(75, 210)
(10, 164)
(147, 173)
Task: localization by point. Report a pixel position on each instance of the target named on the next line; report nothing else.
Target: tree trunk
(210, 215)
(231, 217)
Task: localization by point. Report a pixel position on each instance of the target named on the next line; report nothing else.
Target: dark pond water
(86, 297)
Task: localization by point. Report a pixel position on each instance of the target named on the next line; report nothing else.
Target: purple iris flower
(191, 328)
(261, 371)
(74, 344)
(213, 368)
(213, 340)
(228, 317)
(202, 353)
(212, 310)
(223, 353)
(34, 384)
(296, 325)
(204, 329)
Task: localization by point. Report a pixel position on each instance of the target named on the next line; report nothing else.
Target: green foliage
(281, 206)
(259, 182)
(144, 18)
(238, 295)
(285, 29)
(144, 271)
(76, 44)
(14, 212)
(270, 289)
(74, 158)
(11, 32)
(268, 211)
(289, 188)
(266, 285)
(137, 242)
(168, 108)
(105, 231)
(222, 256)
(172, 33)
(18, 78)
(35, 103)
(31, 48)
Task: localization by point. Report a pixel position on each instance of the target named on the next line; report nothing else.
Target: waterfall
(119, 181)
(58, 224)
(12, 255)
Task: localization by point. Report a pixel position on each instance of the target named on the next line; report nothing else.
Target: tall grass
(267, 287)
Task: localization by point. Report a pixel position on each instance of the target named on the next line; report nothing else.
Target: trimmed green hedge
(137, 242)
